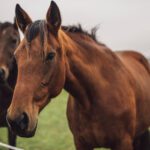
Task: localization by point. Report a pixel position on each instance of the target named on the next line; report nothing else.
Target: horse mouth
(23, 133)
(26, 134)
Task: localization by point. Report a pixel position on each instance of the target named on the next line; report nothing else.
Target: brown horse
(9, 40)
(109, 91)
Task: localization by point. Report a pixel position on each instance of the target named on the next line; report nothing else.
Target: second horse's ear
(53, 17)
(15, 23)
(22, 18)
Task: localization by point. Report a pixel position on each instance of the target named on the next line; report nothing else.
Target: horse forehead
(9, 32)
(26, 49)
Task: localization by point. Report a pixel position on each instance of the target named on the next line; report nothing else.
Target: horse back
(136, 56)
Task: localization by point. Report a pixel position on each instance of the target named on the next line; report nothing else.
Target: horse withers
(9, 40)
(109, 97)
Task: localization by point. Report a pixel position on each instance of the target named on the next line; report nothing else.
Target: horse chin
(27, 134)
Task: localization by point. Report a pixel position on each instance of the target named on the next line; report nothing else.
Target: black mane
(78, 29)
(38, 27)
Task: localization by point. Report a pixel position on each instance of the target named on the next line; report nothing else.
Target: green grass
(52, 133)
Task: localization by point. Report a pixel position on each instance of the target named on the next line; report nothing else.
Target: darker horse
(9, 40)
(109, 97)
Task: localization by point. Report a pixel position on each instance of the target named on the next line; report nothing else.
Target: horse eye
(43, 84)
(50, 56)
(14, 41)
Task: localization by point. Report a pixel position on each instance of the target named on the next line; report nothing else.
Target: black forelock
(34, 29)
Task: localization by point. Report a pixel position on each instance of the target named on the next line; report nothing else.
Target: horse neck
(84, 60)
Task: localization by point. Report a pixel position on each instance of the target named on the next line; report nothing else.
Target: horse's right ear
(53, 17)
(22, 18)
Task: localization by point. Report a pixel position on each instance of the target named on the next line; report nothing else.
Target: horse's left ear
(53, 17)
(22, 18)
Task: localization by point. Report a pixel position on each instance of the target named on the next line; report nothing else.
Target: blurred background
(123, 24)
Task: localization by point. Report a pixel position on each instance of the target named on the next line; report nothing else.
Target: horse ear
(22, 18)
(53, 17)
(0, 26)
(15, 23)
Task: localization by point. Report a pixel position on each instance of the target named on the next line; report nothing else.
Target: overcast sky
(124, 24)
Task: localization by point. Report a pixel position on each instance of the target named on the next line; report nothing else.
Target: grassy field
(52, 133)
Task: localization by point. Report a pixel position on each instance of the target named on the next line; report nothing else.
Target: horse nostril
(20, 123)
(23, 121)
(2, 74)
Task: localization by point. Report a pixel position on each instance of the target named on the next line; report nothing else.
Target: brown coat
(109, 96)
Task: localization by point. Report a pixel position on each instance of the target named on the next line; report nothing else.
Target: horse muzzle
(20, 125)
